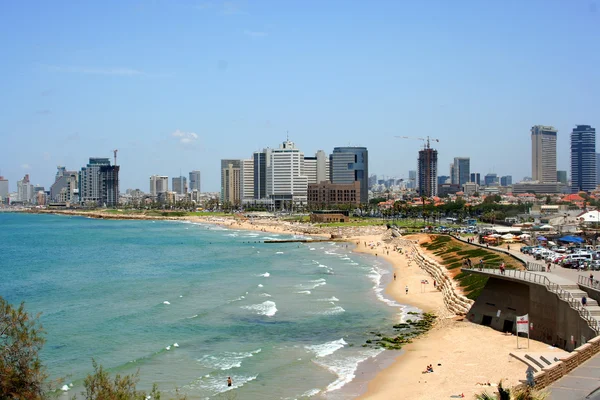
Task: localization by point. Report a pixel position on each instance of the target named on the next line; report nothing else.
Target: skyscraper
(247, 174)
(543, 153)
(462, 170)
(561, 176)
(351, 164)
(316, 168)
(491, 179)
(427, 170)
(231, 181)
(453, 175)
(260, 174)
(158, 184)
(597, 168)
(99, 183)
(506, 180)
(583, 159)
(194, 182)
(476, 178)
(180, 185)
(3, 188)
(286, 181)
(109, 185)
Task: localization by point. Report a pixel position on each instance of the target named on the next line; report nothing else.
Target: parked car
(561, 249)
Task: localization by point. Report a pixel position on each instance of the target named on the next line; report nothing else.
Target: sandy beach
(464, 355)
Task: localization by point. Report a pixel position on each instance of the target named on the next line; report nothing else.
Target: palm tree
(527, 393)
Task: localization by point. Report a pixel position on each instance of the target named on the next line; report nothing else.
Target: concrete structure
(583, 159)
(543, 153)
(329, 216)
(562, 177)
(247, 176)
(325, 194)
(180, 185)
(231, 181)
(491, 179)
(447, 189)
(536, 188)
(351, 164)
(453, 178)
(470, 188)
(462, 170)
(65, 188)
(317, 168)
(109, 185)
(3, 188)
(95, 179)
(286, 181)
(158, 184)
(427, 172)
(476, 178)
(260, 174)
(194, 182)
(24, 190)
(553, 304)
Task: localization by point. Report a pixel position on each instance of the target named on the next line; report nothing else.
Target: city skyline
(80, 84)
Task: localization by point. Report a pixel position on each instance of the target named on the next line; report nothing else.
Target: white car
(561, 249)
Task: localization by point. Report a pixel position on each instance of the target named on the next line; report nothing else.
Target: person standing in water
(229, 382)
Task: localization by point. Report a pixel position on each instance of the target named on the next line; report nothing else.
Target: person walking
(229, 382)
(584, 301)
(502, 268)
(591, 279)
(406, 289)
(394, 276)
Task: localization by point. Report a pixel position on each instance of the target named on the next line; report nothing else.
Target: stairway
(592, 305)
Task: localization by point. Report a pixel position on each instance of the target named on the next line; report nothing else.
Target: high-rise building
(179, 185)
(372, 181)
(3, 189)
(194, 182)
(583, 159)
(231, 181)
(90, 185)
(260, 174)
(543, 153)
(316, 168)
(286, 181)
(453, 177)
(443, 179)
(506, 180)
(351, 164)
(427, 170)
(24, 190)
(476, 178)
(461, 170)
(562, 177)
(597, 168)
(109, 185)
(412, 180)
(491, 179)
(247, 174)
(65, 187)
(158, 184)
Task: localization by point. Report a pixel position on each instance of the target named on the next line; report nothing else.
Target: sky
(178, 85)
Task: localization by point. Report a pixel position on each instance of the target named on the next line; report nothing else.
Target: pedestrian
(584, 301)
(481, 264)
(394, 276)
(591, 279)
(502, 268)
(508, 247)
(548, 268)
(470, 263)
(229, 382)
(434, 284)
(406, 289)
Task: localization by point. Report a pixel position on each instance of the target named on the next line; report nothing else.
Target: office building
(231, 181)
(443, 179)
(476, 178)
(447, 189)
(351, 164)
(597, 168)
(583, 159)
(65, 187)
(247, 174)
(24, 190)
(562, 177)
(325, 194)
(470, 188)
(260, 174)
(491, 179)
(90, 184)
(453, 178)
(506, 180)
(179, 185)
(286, 182)
(194, 182)
(372, 181)
(427, 172)
(543, 153)
(109, 185)
(461, 170)
(158, 184)
(3, 188)
(316, 168)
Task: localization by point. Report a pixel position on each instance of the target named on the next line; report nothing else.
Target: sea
(191, 304)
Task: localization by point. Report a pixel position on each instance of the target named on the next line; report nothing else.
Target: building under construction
(428, 167)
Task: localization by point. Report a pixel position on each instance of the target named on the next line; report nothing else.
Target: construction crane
(115, 153)
(426, 140)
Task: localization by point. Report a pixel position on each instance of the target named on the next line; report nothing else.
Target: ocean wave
(238, 299)
(232, 235)
(193, 316)
(345, 367)
(264, 295)
(304, 292)
(310, 393)
(260, 285)
(268, 308)
(320, 280)
(375, 275)
(312, 249)
(216, 384)
(266, 275)
(333, 298)
(226, 360)
(166, 302)
(279, 252)
(325, 349)
(331, 253)
(330, 311)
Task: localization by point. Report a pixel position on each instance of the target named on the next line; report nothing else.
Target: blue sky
(178, 85)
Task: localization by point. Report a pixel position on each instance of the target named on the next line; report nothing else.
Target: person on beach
(229, 382)
(394, 276)
(406, 289)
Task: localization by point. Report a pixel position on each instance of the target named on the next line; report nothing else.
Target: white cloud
(255, 33)
(185, 137)
(25, 166)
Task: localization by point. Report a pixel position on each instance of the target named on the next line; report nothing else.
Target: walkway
(578, 383)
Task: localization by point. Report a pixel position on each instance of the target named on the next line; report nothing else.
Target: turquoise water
(191, 304)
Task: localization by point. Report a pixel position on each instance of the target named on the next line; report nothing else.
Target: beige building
(543, 153)
(326, 194)
(231, 182)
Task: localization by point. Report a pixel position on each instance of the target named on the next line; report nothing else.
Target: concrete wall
(554, 321)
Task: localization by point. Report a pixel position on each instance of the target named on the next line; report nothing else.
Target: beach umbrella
(571, 239)
(525, 236)
(508, 236)
(546, 227)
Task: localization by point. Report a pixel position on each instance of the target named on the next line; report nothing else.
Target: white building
(194, 183)
(158, 184)
(3, 188)
(316, 168)
(24, 190)
(247, 176)
(286, 180)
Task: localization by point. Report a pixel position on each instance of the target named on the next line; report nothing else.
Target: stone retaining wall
(454, 301)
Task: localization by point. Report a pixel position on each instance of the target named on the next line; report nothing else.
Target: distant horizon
(180, 86)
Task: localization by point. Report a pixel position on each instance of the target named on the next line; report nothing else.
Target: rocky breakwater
(455, 302)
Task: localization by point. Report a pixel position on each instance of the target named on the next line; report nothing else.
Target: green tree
(22, 375)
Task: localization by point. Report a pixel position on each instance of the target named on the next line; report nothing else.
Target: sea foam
(268, 308)
(325, 349)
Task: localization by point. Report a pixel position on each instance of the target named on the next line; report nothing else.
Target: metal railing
(587, 282)
(531, 266)
(562, 294)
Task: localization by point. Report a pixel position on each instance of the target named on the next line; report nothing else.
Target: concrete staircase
(592, 305)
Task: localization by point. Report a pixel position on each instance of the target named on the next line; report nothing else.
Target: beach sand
(463, 354)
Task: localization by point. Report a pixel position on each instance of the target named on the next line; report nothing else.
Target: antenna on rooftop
(115, 153)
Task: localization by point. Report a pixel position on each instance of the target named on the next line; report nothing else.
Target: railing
(531, 266)
(562, 294)
(587, 282)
